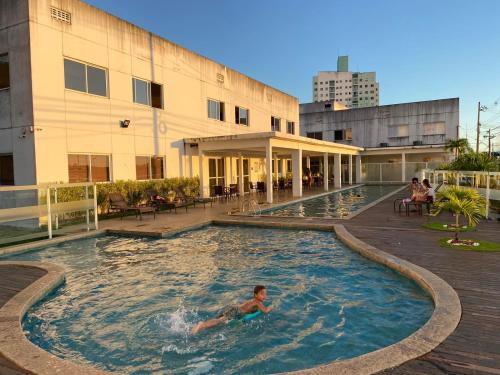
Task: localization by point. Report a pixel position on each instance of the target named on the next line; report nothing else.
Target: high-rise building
(353, 89)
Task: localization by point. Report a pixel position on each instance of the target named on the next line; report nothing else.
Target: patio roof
(282, 144)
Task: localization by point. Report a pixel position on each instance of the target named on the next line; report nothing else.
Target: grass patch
(483, 245)
(439, 226)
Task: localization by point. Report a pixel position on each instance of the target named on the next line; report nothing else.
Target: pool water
(128, 304)
(335, 205)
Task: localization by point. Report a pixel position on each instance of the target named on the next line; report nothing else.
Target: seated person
(416, 192)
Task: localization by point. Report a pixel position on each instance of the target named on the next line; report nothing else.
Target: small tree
(458, 146)
(461, 201)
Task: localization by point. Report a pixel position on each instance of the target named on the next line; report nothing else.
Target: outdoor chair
(251, 187)
(233, 191)
(117, 202)
(193, 199)
(261, 187)
(218, 191)
(158, 202)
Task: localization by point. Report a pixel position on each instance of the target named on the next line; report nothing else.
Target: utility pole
(478, 131)
(490, 137)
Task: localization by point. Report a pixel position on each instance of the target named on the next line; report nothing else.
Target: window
(85, 78)
(434, 128)
(215, 172)
(315, 135)
(147, 93)
(290, 127)
(4, 72)
(241, 116)
(338, 135)
(398, 131)
(6, 170)
(289, 165)
(275, 124)
(85, 168)
(348, 134)
(147, 167)
(215, 110)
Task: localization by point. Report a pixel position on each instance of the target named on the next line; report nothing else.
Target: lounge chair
(161, 203)
(117, 202)
(194, 199)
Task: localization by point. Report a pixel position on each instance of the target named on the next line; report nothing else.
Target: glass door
(246, 174)
(215, 172)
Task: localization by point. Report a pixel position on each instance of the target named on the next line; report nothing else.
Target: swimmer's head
(260, 292)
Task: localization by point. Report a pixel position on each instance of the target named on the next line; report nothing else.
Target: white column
(308, 162)
(325, 171)
(403, 167)
(203, 186)
(276, 168)
(337, 170)
(241, 186)
(350, 169)
(269, 171)
(358, 169)
(283, 168)
(297, 172)
(231, 181)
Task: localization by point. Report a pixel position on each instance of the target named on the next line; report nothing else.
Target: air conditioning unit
(417, 143)
(384, 144)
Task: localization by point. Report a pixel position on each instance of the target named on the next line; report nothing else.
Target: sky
(420, 50)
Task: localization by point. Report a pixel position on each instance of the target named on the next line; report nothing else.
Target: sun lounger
(117, 202)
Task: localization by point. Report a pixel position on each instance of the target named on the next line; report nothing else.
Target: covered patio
(270, 156)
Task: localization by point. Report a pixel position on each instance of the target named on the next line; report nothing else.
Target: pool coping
(347, 217)
(446, 315)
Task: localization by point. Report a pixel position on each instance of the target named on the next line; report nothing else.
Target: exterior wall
(16, 108)
(75, 122)
(370, 126)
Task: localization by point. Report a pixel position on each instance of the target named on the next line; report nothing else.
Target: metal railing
(486, 183)
(36, 211)
(393, 172)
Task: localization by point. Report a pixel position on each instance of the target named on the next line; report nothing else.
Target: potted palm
(461, 201)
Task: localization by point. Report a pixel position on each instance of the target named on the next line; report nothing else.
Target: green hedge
(135, 192)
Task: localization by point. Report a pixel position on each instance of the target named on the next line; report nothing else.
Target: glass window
(6, 170)
(99, 168)
(241, 116)
(290, 127)
(215, 110)
(338, 135)
(75, 76)
(348, 134)
(275, 124)
(142, 168)
(141, 91)
(157, 167)
(156, 95)
(315, 135)
(4, 72)
(96, 79)
(78, 168)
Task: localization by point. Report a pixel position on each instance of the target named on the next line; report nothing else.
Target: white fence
(38, 211)
(393, 172)
(486, 183)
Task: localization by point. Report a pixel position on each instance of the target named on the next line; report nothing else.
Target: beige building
(86, 96)
(352, 89)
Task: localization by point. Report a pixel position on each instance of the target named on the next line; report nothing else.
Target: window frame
(89, 161)
(150, 167)
(149, 92)
(292, 123)
(237, 116)
(8, 71)
(106, 74)
(221, 111)
(8, 182)
(273, 123)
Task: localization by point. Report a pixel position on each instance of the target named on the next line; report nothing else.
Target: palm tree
(458, 146)
(461, 201)
(474, 161)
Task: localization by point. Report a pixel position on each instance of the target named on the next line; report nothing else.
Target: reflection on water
(129, 304)
(335, 205)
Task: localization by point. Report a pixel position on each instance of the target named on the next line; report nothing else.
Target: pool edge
(446, 315)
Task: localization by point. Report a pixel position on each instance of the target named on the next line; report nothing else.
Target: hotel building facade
(86, 96)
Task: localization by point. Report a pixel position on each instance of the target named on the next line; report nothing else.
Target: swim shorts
(231, 313)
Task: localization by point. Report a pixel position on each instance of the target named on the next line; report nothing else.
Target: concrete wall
(16, 108)
(370, 126)
(75, 122)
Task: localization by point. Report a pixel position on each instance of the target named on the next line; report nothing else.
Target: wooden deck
(13, 280)
(474, 347)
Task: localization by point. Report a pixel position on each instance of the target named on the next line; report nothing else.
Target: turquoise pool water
(128, 303)
(336, 204)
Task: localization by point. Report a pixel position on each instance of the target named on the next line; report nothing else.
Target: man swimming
(237, 312)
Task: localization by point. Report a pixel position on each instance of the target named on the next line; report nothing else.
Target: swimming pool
(336, 204)
(128, 304)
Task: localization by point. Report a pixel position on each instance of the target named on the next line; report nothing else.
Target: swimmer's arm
(263, 308)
